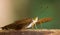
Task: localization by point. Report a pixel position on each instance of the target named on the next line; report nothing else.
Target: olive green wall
(40, 8)
(46, 8)
(20, 8)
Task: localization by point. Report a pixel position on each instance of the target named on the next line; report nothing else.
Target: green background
(46, 8)
(41, 9)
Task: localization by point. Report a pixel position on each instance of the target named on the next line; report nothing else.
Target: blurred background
(12, 10)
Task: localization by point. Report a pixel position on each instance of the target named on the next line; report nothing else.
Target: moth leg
(32, 27)
(35, 26)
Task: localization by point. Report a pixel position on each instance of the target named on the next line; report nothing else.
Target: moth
(25, 23)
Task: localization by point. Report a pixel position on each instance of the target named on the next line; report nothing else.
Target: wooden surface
(30, 32)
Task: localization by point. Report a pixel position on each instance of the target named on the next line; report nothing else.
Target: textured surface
(30, 32)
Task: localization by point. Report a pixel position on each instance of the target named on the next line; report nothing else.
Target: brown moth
(21, 24)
